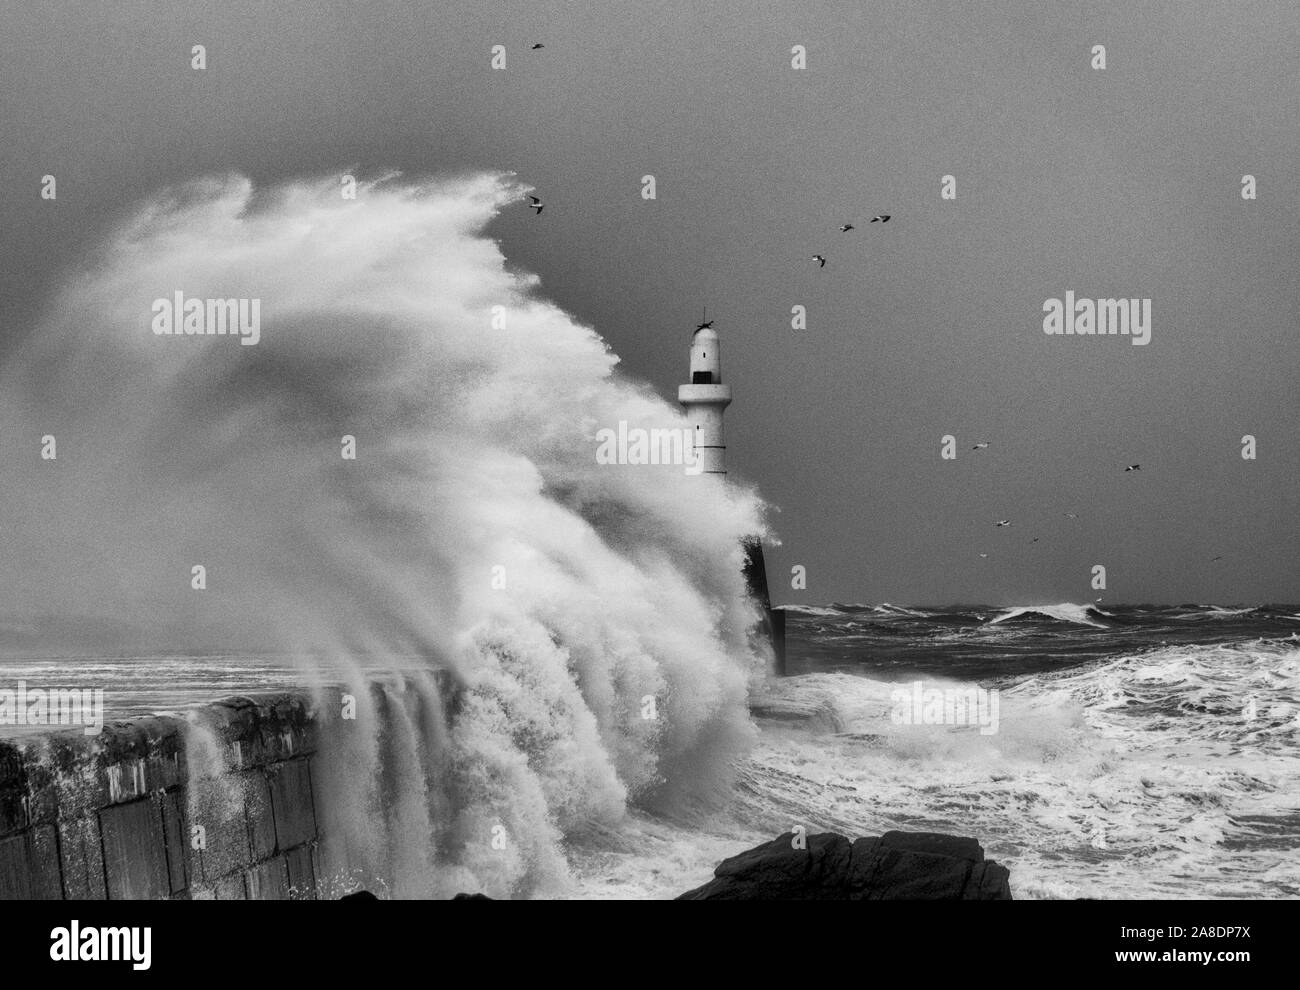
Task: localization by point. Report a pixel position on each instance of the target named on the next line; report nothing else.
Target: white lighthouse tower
(704, 399)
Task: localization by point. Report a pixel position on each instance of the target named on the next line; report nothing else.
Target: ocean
(1141, 751)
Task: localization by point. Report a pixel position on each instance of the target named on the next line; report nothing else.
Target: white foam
(475, 460)
(1083, 615)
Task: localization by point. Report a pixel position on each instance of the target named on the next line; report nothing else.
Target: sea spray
(473, 447)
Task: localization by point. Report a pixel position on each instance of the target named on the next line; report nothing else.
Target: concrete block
(258, 732)
(13, 789)
(291, 797)
(268, 881)
(29, 866)
(176, 838)
(13, 810)
(11, 766)
(232, 889)
(82, 859)
(217, 806)
(124, 763)
(47, 882)
(15, 869)
(135, 852)
(261, 817)
(316, 873)
(126, 781)
(302, 876)
(43, 786)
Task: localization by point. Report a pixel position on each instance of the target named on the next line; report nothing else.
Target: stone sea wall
(220, 805)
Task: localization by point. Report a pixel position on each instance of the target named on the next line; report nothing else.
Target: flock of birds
(984, 444)
(844, 229)
(1002, 523)
(537, 205)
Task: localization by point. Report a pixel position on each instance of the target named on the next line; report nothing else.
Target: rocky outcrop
(923, 866)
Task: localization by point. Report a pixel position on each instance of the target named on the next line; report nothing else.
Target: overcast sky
(1122, 182)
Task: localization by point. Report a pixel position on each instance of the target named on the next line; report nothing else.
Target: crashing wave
(1084, 615)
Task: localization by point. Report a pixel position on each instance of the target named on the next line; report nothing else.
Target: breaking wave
(1084, 615)
(473, 533)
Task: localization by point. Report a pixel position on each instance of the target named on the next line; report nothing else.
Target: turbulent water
(1141, 751)
(592, 616)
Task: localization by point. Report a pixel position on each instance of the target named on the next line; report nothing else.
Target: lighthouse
(704, 400)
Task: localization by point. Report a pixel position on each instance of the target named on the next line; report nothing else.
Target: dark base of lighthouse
(772, 624)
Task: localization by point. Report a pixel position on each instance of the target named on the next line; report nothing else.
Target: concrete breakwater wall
(220, 805)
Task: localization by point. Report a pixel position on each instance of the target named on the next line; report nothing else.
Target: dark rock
(359, 895)
(471, 897)
(935, 843)
(894, 866)
(988, 882)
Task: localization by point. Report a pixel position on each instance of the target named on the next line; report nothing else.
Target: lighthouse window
(702, 378)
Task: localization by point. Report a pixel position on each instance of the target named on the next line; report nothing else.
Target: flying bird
(983, 555)
(1213, 559)
(1133, 467)
(1034, 540)
(882, 217)
(980, 444)
(537, 46)
(536, 204)
(846, 228)
(1004, 522)
(1072, 515)
(821, 262)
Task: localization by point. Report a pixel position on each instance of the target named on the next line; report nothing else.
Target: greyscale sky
(1117, 182)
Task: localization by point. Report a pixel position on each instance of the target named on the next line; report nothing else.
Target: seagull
(1034, 540)
(980, 444)
(1213, 559)
(1004, 522)
(846, 228)
(1072, 515)
(883, 218)
(537, 46)
(983, 555)
(821, 262)
(1134, 467)
(536, 204)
